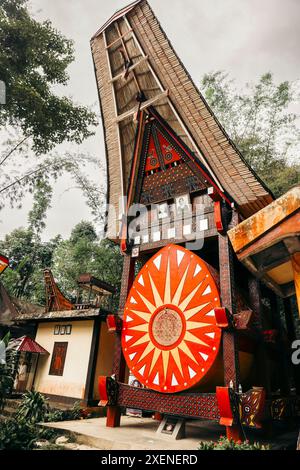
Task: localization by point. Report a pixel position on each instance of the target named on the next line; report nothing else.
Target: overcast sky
(244, 37)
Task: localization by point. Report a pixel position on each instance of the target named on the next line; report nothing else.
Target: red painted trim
(221, 315)
(111, 323)
(135, 158)
(223, 399)
(102, 391)
(123, 243)
(4, 261)
(218, 216)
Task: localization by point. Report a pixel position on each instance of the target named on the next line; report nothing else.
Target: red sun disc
(170, 338)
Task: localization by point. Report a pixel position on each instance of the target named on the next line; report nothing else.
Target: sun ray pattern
(170, 338)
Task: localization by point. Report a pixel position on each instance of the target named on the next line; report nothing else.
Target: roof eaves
(118, 14)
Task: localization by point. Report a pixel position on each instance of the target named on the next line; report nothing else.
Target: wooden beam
(89, 384)
(119, 39)
(185, 129)
(130, 69)
(118, 129)
(144, 105)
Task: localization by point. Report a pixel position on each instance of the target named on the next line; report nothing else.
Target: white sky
(243, 37)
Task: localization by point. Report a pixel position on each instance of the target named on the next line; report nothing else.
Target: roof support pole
(230, 347)
(263, 369)
(282, 352)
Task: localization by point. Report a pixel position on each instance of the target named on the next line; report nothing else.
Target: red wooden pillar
(230, 347)
(119, 365)
(158, 416)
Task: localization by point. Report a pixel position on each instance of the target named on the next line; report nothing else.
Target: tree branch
(13, 149)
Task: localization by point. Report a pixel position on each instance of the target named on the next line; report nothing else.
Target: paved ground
(140, 434)
(135, 433)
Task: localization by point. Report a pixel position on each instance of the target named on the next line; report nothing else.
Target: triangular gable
(166, 166)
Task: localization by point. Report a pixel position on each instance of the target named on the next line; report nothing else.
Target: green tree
(29, 256)
(84, 253)
(34, 60)
(260, 122)
(83, 231)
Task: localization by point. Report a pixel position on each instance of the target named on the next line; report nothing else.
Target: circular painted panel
(170, 338)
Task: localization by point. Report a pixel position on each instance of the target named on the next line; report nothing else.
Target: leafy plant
(34, 59)
(229, 444)
(7, 372)
(54, 415)
(18, 434)
(33, 407)
(22, 431)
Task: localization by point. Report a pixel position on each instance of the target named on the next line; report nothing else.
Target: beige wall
(105, 356)
(72, 382)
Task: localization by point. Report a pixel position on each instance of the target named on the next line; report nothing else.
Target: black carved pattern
(167, 190)
(282, 408)
(143, 157)
(193, 183)
(251, 405)
(112, 389)
(197, 405)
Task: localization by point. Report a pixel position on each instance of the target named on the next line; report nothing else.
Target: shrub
(21, 435)
(65, 415)
(229, 444)
(33, 407)
(22, 431)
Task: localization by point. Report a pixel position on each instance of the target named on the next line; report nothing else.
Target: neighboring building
(72, 345)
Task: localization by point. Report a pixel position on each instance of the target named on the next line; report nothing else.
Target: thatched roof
(154, 69)
(13, 310)
(7, 309)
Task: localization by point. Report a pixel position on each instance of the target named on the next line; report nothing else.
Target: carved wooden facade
(182, 180)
